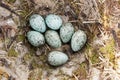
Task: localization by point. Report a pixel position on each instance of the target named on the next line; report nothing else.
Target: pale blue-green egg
(53, 39)
(53, 21)
(78, 40)
(35, 38)
(66, 32)
(57, 58)
(37, 23)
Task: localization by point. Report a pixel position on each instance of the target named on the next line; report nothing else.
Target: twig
(75, 77)
(92, 21)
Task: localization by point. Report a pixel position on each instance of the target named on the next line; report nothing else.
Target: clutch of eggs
(54, 39)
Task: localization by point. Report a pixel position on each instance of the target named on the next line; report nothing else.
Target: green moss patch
(92, 54)
(11, 1)
(12, 53)
(27, 57)
(20, 38)
(108, 50)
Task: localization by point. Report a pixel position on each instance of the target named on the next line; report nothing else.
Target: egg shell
(53, 21)
(57, 58)
(66, 32)
(37, 23)
(53, 39)
(35, 38)
(78, 40)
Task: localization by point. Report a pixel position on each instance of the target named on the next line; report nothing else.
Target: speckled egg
(35, 38)
(37, 23)
(57, 58)
(53, 39)
(78, 40)
(53, 21)
(66, 32)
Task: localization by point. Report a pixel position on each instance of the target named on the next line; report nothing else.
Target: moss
(11, 1)
(31, 50)
(64, 78)
(27, 57)
(34, 64)
(42, 59)
(20, 38)
(94, 58)
(12, 53)
(35, 59)
(92, 54)
(108, 50)
(81, 71)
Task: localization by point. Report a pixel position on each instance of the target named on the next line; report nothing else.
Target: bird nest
(97, 60)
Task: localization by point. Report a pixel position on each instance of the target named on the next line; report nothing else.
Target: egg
(35, 38)
(57, 58)
(53, 21)
(53, 39)
(66, 32)
(37, 23)
(78, 40)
